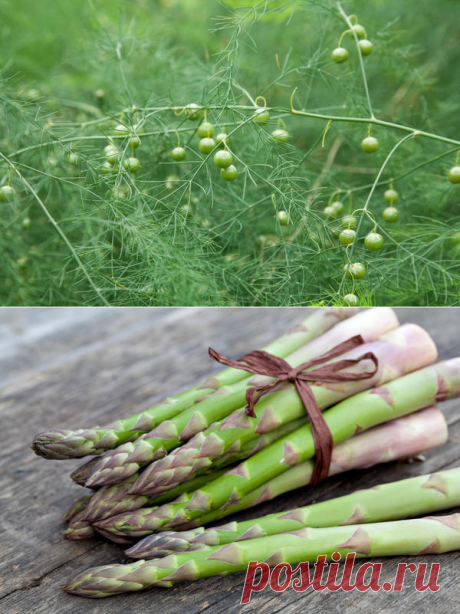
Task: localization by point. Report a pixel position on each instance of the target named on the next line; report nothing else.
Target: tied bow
(263, 363)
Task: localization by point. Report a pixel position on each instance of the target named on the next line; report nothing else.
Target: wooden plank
(96, 366)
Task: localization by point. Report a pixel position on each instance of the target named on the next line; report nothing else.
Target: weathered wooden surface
(76, 367)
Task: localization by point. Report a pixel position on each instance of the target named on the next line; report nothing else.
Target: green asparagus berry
(73, 158)
(281, 135)
(193, 111)
(178, 154)
(111, 154)
(390, 214)
(205, 130)
(106, 168)
(391, 196)
(261, 115)
(370, 144)
(329, 213)
(223, 159)
(365, 46)
(283, 218)
(359, 31)
(349, 221)
(134, 142)
(373, 241)
(206, 145)
(454, 174)
(119, 193)
(121, 130)
(351, 300)
(355, 270)
(26, 222)
(338, 207)
(340, 55)
(221, 138)
(347, 236)
(132, 165)
(229, 174)
(7, 193)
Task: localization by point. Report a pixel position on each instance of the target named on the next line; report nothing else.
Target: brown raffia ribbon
(264, 363)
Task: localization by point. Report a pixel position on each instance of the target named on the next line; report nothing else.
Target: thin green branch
(57, 228)
(364, 210)
(360, 56)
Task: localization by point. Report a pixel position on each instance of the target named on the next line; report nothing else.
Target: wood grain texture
(77, 367)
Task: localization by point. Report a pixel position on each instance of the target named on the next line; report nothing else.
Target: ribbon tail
(322, 436)
(234, 364)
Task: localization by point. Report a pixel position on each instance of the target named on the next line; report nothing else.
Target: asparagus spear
(399, 351)
(81, 475)
(421, 536)
(83, 472)
(398, 398)
(397, 439)
(78, 528)
(78, 506)
(128, 458)
(62, 444)
(113, 500)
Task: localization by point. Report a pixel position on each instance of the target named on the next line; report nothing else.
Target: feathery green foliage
(80, 232)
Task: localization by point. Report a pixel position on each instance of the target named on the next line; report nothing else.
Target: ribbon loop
(263, 363)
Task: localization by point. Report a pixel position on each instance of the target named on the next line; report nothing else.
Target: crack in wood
(34, 582)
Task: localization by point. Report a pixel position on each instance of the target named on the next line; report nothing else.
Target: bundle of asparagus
(403, 349)
(198, 457)
(361, 412)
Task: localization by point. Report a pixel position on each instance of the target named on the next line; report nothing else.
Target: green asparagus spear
(78, 527)
(419, 536)
(78, 506)
(83, 472)
(62, 444)
(113, 500)
(128, 458)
